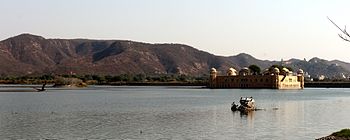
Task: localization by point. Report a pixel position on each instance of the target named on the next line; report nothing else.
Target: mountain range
(28, 54)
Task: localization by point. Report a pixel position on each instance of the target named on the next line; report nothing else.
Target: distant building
(270, 79)
(321, 77)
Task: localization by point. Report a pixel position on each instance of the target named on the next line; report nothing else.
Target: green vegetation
(70, 82)
(344, 133)
(255, 70)
(123, 79)
(27, 79)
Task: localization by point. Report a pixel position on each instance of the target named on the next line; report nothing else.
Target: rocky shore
(343, 134)
(333, 138)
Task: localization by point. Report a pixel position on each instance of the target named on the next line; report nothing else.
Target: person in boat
(234, 106)
(247, 104)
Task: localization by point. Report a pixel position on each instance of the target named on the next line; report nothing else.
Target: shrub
(342, 133)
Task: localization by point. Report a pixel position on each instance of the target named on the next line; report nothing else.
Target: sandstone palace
(270, 79)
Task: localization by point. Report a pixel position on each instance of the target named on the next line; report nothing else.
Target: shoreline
(307, 84)
(327, 84)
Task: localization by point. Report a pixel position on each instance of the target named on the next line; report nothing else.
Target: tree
(345, 35)
(254, 69)
(290, 68)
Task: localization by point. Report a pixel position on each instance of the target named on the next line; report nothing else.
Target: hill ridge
(28, 54)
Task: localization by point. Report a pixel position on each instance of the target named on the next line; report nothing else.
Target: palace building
(270, 79)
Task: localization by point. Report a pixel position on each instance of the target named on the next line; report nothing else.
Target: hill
(28, 54)
(34, 55)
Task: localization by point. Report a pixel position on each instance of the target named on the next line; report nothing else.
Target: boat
(246, 104)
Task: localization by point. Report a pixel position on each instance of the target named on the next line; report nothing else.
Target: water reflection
(163, 113)
(248, 114)
(244, 117)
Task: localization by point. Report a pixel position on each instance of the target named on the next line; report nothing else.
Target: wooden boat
(247, 104)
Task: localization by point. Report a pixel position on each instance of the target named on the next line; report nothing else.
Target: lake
(107, 112)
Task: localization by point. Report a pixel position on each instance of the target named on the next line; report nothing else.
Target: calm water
(171, 113)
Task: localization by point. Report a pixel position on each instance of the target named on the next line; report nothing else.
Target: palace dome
(276, 70)
(244, 71)
(212, 70)
(231, 72)
(285, 70)
(300, 71)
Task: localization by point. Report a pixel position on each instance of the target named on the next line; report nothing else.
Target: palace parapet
(269, 79)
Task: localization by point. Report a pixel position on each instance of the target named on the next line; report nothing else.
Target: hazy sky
(266, 29)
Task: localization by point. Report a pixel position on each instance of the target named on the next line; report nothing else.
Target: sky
(265, 29)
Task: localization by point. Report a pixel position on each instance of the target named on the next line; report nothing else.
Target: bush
(345, 133)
